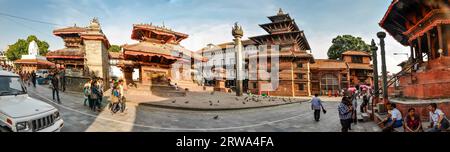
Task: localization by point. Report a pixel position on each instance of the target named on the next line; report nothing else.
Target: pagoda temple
(294, 57)
(158, 55)
(85, 52)
(424, 26)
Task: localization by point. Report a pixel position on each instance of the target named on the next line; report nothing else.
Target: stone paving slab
(285, 118)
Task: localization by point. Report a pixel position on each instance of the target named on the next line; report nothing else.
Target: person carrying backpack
(87, 92)
(115, 99)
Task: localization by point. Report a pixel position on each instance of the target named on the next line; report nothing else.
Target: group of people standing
(93, 94)
(347, 112)
(28, 78)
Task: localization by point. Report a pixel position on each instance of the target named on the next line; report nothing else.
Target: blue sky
(206, 21)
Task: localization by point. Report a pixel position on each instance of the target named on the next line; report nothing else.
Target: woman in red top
(413, 122)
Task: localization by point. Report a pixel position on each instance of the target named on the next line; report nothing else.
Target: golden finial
(280, 11)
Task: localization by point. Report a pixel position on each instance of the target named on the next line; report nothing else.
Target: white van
(42, 73)
(20, 113)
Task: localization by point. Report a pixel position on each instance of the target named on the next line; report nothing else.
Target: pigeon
(186, 102)
(210, 104)
(174, 101)
(245, 98)
(216, 117)
(237, 99)
(243, 102)
(218, 101)
(212, 93)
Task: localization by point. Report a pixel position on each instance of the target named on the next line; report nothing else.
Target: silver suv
(20, 113)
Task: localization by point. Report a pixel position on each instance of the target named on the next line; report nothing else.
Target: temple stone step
(364, 117)
(169, 93)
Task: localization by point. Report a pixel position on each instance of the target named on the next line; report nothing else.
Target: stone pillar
(431, 53)
(309, 79)
(381, 36)
(376, 95)
(420, 54)
(237, 34)
(441, 40)
(292, 79)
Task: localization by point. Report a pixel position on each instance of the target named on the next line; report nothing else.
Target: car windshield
(10, 85)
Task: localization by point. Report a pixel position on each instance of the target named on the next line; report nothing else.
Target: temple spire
(280, 12)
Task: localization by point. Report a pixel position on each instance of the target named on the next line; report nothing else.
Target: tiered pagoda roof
(34, 62)
(282, 29)
(73, 38)
(158, 41)
(66, 53)
(328, 64)
(398, 23)
(356, 53)
(159, 34)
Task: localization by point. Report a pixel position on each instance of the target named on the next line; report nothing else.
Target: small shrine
(33, 61)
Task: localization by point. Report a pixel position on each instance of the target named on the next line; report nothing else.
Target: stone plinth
(220, 86)
(433, 83)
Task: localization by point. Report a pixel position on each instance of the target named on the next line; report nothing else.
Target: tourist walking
(354, 103)
(55, 87)
(413, 122)
(316, 105)
(122, 98)
(345, 114)
(394, 119)
(87, 92)
(365, 103)
(33, 78)
(100, 90)
(438, 120)
(95, 95)
(115, 105)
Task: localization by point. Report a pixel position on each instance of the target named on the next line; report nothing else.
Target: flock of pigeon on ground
(248, 99)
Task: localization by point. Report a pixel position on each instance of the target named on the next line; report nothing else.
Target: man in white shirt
(394, 119)
(438, 121)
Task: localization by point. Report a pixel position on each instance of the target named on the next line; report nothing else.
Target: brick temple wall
(433, 83)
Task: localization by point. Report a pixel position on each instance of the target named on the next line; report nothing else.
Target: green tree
(344, 43)
(114, 48)
(20, 48)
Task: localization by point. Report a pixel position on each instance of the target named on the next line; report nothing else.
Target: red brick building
(329, 76)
